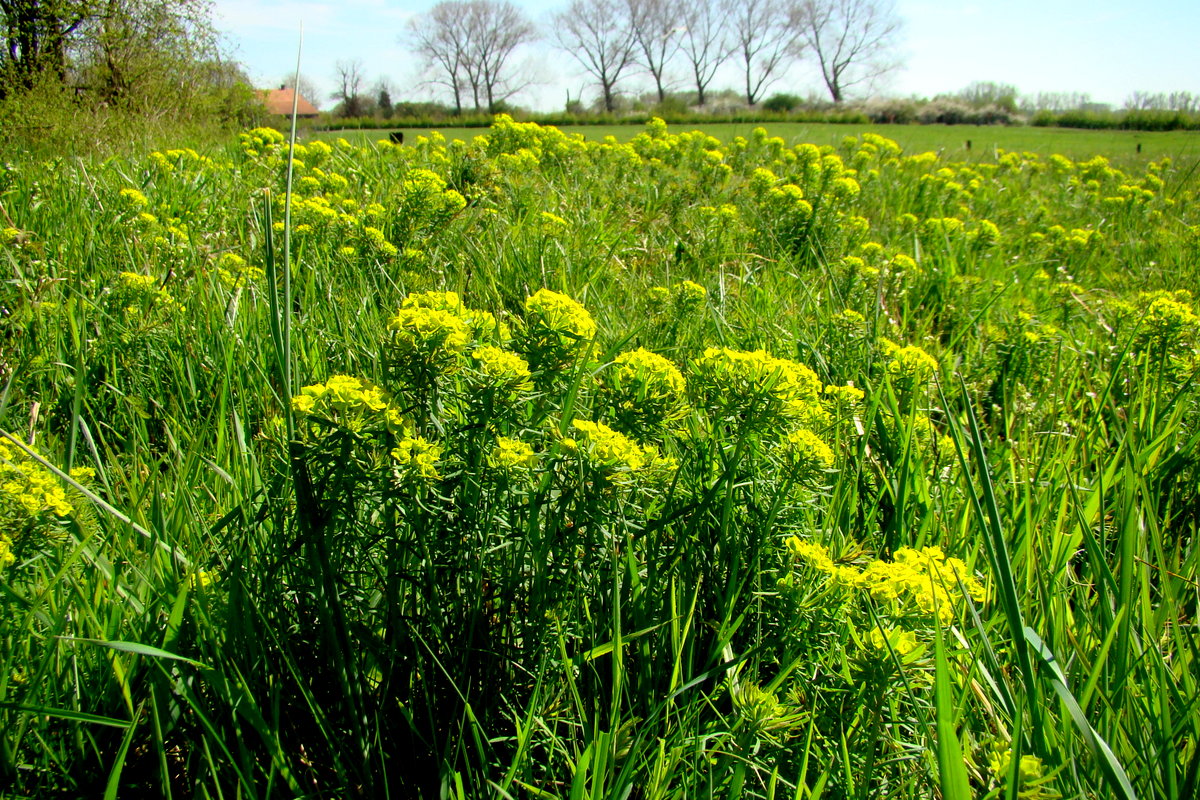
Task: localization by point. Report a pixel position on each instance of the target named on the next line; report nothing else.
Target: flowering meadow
(538, 467)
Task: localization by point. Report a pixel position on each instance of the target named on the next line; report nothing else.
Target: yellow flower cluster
(757, 386)
(235, 273)
(606, 449)
(912, 366)
(686, 296)
(499, 370)
(418, 457)
(646, 391)
(1169, 325)
(897, 640)
(723, 215)
(428, 334)
(936, 228)
(135, 292)
(7, 558)
(1031, 773)
(924, 576)
(512, 456)
(921, 582)
(180, 159)
(847, 395)
(556, 329)
(261, 141)
(352, 402)
(985, 233)
(788, 204)
(133, 199)
(426, 192)
(30, 495)
(817, 556)
(690, 295)
(845, 188)
(201, 579)
(808, 456)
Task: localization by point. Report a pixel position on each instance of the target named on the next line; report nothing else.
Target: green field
(682, 466)
(950, 140)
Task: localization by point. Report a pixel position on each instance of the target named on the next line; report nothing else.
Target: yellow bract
(419, 456)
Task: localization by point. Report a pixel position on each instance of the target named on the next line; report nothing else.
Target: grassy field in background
(679, 468)
(948, 139)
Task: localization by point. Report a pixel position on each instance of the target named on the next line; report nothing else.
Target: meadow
(950, 141)
(544, 466)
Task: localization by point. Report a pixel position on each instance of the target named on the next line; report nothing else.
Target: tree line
(71, 67)
(468, 47)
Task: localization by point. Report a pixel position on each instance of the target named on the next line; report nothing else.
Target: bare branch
(852, 40)
(469, 45)
(763, 39)
(656, 26)
(598, 35)
(705, 46)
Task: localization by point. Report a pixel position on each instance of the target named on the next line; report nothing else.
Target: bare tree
(852, 40)
(469, 45)
(1163, 101)
(498, 28)
(656, 25)
(349, 77)
(307, 89)
(598, 35)
(441, 38)
(764, 40)
(989, 93)
(704, 45)
(1057, 101)
(116, 48)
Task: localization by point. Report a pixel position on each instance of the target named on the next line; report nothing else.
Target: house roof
(279, 101)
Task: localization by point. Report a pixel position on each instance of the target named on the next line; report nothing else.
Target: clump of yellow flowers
(135, 292)
(1031, 776)
(604, 448)
(32, 499)
(418, 457)
(350, 402)
(806, 455)
(646, 391)
(917, 583)
(556, 330)
(512, 456)
(756, 388)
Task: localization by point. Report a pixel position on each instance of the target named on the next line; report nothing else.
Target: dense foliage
(82, 76)
(541, 467)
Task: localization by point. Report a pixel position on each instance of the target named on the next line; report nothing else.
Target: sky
(1105, 48)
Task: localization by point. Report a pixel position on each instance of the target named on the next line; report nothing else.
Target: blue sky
(1105, 48)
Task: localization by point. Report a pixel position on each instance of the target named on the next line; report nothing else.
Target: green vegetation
(78, 77)
(950, 140)
(538, 466)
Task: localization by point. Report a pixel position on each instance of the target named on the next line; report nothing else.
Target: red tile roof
(279, 101)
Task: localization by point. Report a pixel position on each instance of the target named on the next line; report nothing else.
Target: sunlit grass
(686, 467)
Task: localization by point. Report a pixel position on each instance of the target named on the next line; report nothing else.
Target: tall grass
(358, 591)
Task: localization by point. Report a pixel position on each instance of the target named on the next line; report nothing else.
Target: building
(279, 101)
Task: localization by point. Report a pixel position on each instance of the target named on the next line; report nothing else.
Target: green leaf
(1114, 773)
(137, 649)
(67, 714)
(952, 773)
